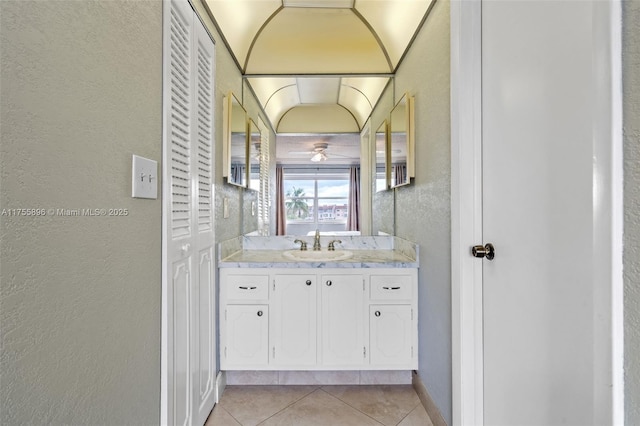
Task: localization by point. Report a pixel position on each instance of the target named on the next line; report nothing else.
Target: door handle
(486, 250)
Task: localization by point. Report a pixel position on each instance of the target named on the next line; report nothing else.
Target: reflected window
(316, 202)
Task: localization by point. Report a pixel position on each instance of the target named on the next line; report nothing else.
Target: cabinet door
(390, 335)
(342, 320)
(294, 320)
(246, 336)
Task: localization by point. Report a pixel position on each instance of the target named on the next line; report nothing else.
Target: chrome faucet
(316, 241)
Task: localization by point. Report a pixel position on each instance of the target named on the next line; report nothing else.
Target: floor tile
(388, 404)
(320, 409)
(220, 417)
(250, 405)
(418, 417)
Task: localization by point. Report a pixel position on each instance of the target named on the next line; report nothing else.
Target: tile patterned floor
(375, 405)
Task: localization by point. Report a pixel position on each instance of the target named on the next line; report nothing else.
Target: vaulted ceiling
(318, 66)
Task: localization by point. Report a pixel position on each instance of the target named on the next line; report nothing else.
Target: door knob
(487, 251)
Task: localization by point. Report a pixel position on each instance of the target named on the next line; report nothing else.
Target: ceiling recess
(318, 54)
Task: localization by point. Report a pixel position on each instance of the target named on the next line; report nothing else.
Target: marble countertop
(268, 252)
(378, 258)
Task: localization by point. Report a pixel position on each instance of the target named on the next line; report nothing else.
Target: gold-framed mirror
(235, 143)
(401, 158)
(381, 165)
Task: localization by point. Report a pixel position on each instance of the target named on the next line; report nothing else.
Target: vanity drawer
(391, 287)
(247, 287)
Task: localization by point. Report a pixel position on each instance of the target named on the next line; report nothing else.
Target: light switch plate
(144, 178)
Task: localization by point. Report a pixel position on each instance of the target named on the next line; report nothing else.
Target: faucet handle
(331, 245)
(303, 244)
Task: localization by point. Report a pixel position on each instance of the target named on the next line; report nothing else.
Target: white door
(342, 320)
(203, 215)
(189, 351)
(294, 325)
(547, 308)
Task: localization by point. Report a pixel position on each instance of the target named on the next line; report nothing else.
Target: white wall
(631, 117)
(81, 87)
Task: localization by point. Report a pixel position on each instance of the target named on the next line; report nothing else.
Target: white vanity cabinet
(245, 320)
(391, 319)
(318, 318)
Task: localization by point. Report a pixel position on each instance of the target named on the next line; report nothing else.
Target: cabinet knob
(308, 282)
(259, 313)
(329, 283)
(377, 313)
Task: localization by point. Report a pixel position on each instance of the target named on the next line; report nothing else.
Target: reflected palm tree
(296, 204)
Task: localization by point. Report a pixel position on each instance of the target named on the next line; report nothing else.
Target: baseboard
(221, 383)
(432, 409)
(319, 377)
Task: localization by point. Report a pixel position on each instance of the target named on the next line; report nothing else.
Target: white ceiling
(296, 149)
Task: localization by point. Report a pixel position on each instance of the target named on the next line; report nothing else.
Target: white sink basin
(317, 256)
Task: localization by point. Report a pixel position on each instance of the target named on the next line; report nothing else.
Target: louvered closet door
(188, 170)
(202, 166)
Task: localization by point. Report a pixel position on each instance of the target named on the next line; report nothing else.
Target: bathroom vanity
(278, 312)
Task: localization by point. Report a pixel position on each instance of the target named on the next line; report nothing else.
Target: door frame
(466, 211)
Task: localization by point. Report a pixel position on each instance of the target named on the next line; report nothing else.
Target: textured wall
(81, 87)
(423, 212)
(631, 99)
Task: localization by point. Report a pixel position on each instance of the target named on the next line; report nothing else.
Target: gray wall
(423, 210)
(81, 91)
(631, 117)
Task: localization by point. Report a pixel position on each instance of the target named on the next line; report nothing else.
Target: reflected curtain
(237, 173)
(400, 174)
(353, 215)
(281, 224)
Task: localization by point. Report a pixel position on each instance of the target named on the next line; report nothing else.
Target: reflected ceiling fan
(318, 153)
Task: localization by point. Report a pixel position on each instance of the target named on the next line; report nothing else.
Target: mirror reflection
(399, 151)
(381, 157)
(237, 142)
(255, 144)
(317, 177)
